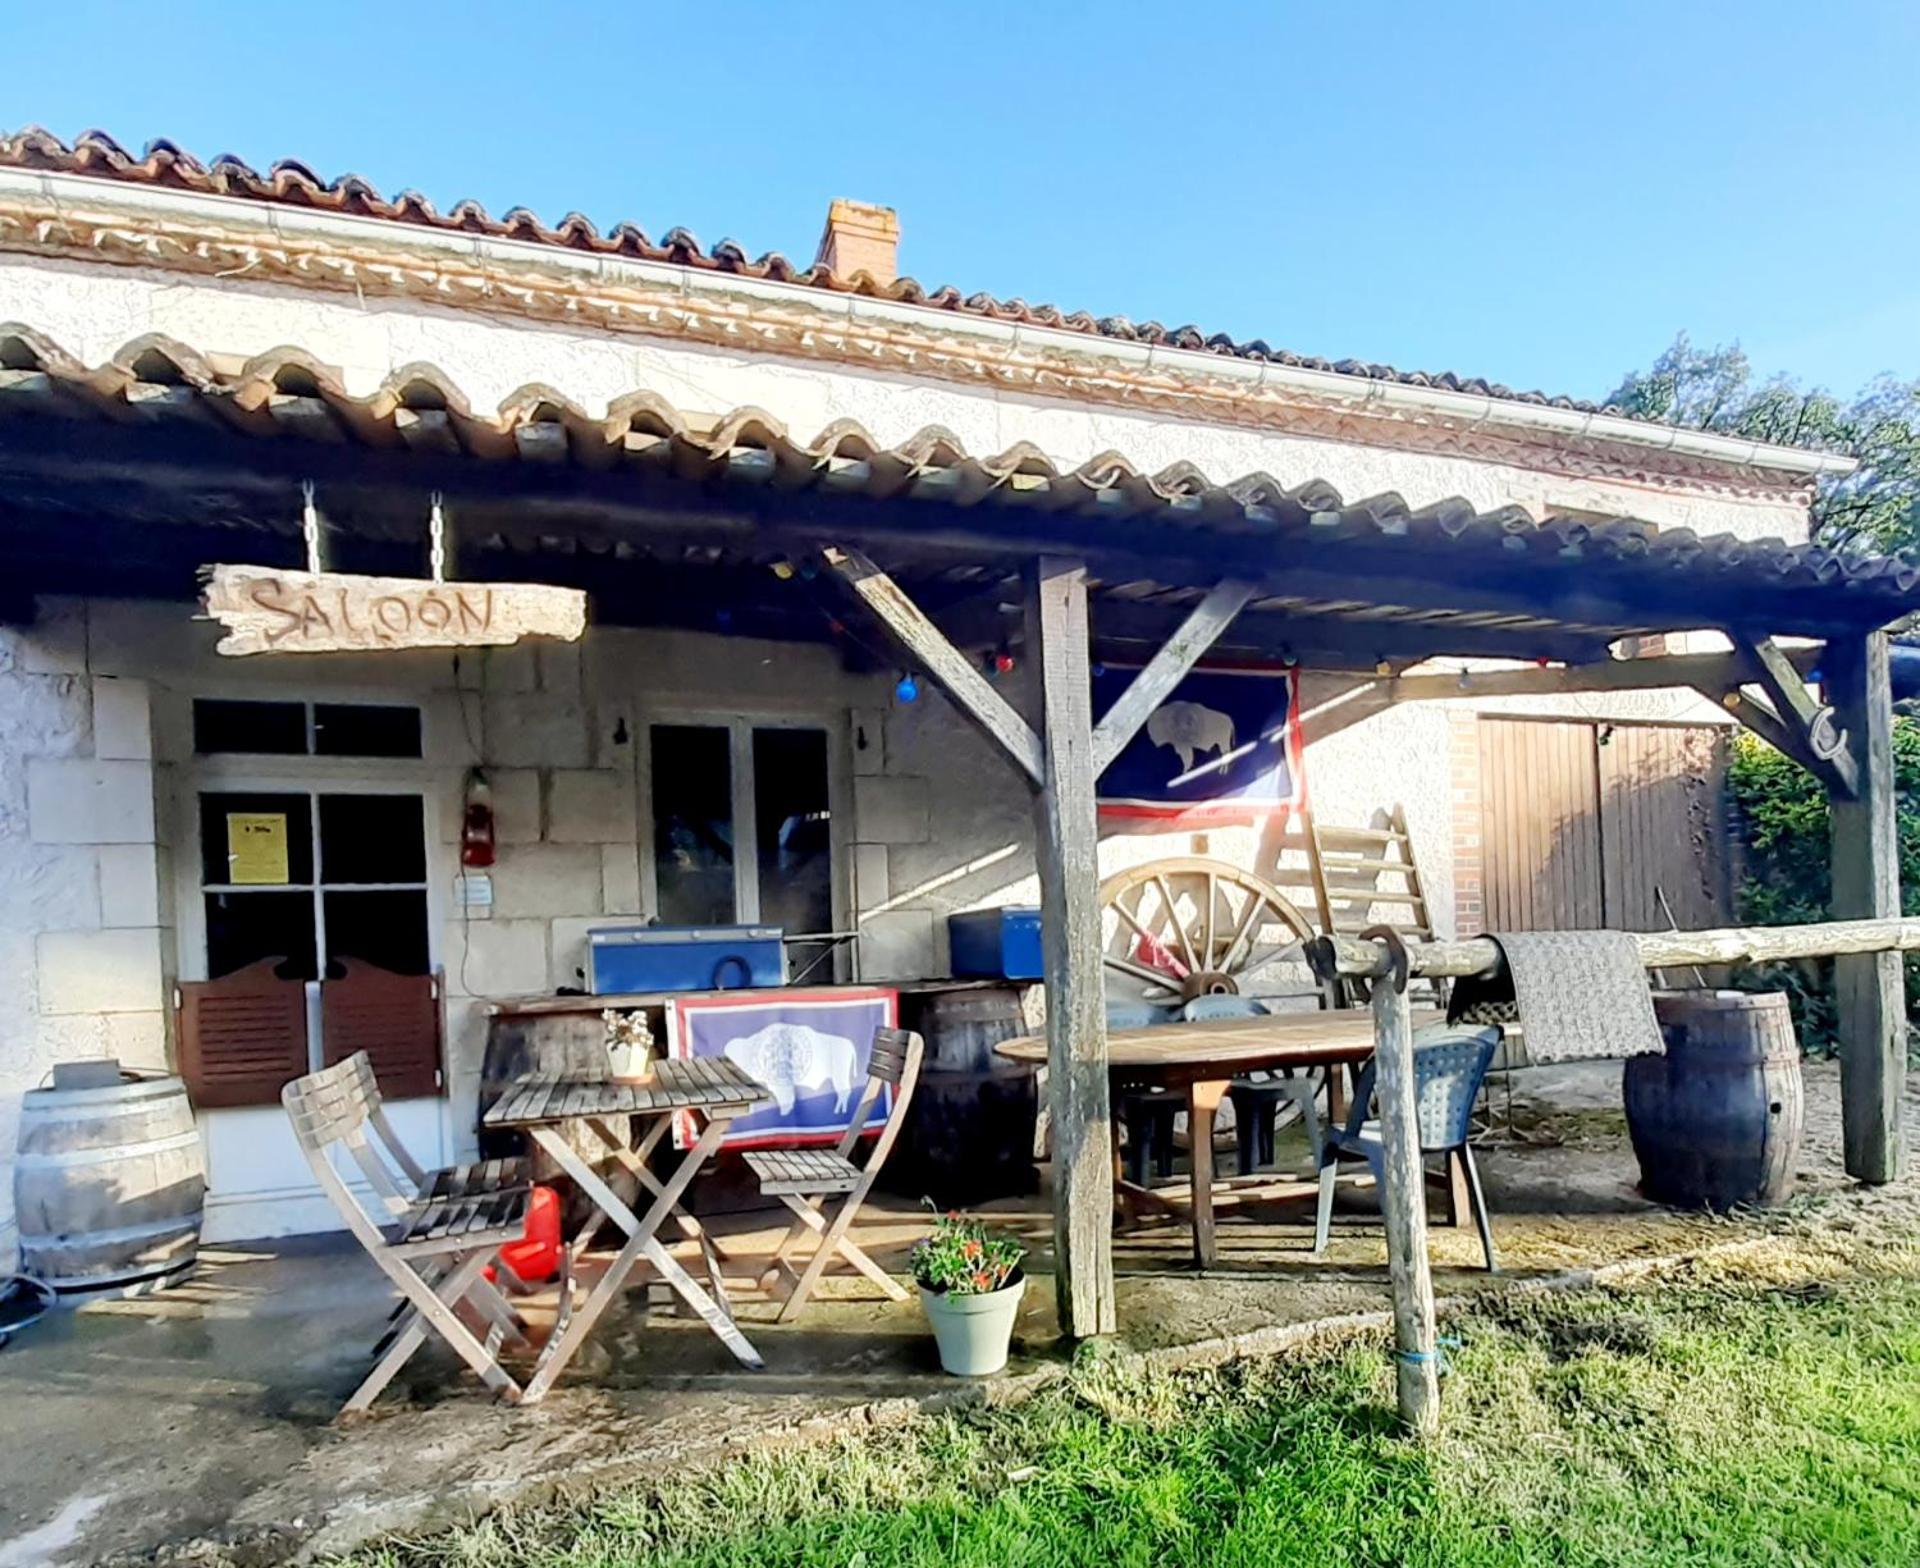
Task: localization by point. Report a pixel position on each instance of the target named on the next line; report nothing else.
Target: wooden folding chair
(433, 1242)
(450, 1181)
(804, 1179)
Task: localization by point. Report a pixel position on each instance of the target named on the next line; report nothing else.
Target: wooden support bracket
(1165, 670)
(957, 674)
(1814, 739)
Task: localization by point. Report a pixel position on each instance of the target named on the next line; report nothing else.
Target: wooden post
(1403, 1201)
(1869, 987)
(1066, 850)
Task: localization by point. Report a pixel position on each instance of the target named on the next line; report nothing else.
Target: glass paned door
(743, 825)
(793, 829)
(693, 861)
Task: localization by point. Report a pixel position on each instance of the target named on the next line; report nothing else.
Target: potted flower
(970, 1283)
(629, 1046)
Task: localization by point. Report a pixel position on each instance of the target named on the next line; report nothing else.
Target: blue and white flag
(1224, 748)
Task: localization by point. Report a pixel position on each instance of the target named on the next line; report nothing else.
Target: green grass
(1708, 1421)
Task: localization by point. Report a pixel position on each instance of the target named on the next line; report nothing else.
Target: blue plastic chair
(1256, 1097)
(1147, 1114)
(1449, 1062)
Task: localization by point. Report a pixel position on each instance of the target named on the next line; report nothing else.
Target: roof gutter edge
(1475, 409)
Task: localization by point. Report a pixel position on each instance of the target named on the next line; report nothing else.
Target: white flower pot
(973, 1332)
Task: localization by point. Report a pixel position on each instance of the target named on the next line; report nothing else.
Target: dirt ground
(198, 1424)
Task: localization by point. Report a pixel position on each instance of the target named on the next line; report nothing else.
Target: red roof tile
(168, 166)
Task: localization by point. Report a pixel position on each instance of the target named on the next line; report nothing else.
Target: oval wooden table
(1203, 1059)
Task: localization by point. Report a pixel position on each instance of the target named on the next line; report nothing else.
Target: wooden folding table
(1204, 1059)
(547, 1109)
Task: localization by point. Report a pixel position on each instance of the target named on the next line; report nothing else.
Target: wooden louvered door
(242, 1036)
(322, 884)
(1663, 826)
(394, 1018)
(1587, 825)
(1540, 826)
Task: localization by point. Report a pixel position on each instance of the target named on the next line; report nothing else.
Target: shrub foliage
(1786, 875)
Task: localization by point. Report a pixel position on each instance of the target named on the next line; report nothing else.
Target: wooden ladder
(1355, 878)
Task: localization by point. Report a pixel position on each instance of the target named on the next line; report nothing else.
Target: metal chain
(310, 526)
(437, 529)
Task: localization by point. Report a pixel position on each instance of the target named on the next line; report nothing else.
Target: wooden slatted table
(542, 1107)
(1203, 1059)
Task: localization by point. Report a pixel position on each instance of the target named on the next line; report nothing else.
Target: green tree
(1877, 506)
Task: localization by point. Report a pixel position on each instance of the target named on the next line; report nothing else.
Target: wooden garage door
(1585, 825)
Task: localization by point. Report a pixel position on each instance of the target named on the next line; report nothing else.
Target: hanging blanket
(1579, 995)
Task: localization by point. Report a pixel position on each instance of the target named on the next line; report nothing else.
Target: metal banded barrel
(969, 1134)
(109, 1181)
(1718, 1120)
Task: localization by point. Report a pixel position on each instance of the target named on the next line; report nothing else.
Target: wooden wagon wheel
(1184, 927)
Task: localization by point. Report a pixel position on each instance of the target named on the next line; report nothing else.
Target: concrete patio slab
(198, 1424)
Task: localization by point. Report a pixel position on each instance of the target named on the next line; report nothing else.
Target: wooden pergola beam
(1816, 742)
(1870, 988)
(1786, 717)
(1167, 668)
(956, 674)
(1067, 842)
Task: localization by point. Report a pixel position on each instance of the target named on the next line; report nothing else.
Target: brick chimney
(860, 237)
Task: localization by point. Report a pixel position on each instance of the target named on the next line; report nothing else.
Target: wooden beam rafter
(1165, 670)
(957, 674)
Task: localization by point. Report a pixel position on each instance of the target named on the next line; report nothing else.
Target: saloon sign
(266, 610)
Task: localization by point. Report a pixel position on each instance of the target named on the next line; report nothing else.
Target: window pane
(793, 832)
(372, 838)
(363, 730)
(693, 824)
(278, 728)
(243, 928)
(388, 929)
(242, 837)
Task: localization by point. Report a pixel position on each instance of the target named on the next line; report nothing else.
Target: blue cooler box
(995, 944)
(684, 958)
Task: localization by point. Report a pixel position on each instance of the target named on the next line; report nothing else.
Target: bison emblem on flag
(1223, 748)
(808, 1048)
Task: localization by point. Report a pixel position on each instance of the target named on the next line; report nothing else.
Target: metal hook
(1400, 967)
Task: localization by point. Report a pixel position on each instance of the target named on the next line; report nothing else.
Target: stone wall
(97, 787)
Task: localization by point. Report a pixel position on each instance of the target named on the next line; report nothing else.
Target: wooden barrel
(108, 1183)
(1718, 1119)
(969, 1132)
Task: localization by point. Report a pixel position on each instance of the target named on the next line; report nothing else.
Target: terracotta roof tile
(286, 393)
(167, 165)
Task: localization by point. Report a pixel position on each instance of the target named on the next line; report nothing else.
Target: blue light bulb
(908, 689)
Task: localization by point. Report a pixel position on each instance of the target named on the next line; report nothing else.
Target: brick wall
(1463, 778)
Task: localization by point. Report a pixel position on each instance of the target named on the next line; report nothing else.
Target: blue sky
(1539, 193)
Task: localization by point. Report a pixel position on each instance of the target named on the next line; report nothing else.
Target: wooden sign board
(266, 610)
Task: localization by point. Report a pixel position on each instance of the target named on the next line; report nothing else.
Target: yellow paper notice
(256, 847)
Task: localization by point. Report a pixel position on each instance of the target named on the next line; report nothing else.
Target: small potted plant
(629, 1046)
(970, 1284)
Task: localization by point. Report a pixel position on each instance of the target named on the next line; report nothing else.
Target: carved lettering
(264, 610)
(270, 594)
(346, 615)
(475, 616)
(394, 614)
